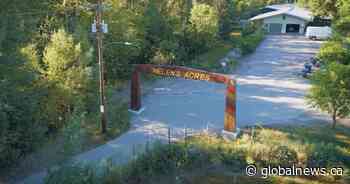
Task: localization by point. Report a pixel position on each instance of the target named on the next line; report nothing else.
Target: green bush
(283, 156)
(334, 52)
(249, 43)
(21, 128)
(210, 60)
(73, 134)
(119, 118)
(163, 159)
(232, 157)
(274, 155)
(323, 155)
(73, 174)
(271, 147)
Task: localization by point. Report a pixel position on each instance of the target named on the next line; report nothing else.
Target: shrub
(233, 157)
(249, 29)
(250, 42)
(73, 134)
(323, 155)
(73, 174)
(274, 148)
(119, 120)
(283, 156)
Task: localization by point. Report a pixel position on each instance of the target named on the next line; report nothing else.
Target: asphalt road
(269, 91)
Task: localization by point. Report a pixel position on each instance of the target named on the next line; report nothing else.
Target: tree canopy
(330, 90)
(48, 73)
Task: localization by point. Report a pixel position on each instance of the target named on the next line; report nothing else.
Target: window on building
(284, 17)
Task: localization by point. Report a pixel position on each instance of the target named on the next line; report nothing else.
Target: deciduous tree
(334, 51)
(205, 23)
(330, 90)
(67, 76)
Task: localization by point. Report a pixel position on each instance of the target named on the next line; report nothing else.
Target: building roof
(287, 9)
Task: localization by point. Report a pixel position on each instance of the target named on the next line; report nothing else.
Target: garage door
(275, 28)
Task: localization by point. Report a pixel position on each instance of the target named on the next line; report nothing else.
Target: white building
(284, 18)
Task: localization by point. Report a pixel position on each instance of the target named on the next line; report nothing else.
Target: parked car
(318, 33)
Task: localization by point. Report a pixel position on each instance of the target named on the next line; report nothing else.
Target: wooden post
(169, 136)
(135, 91)
(230, 109)
(186, 135)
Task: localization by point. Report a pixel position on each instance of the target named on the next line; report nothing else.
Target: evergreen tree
(67, 75)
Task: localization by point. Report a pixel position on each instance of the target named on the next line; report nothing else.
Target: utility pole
(99, 40)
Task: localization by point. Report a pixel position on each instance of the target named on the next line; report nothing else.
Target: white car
(321, 33)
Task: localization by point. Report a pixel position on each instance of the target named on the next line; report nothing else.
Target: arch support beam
(187, 73)
(135, 91)
(230, 108)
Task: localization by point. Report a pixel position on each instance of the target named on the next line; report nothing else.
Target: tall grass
(184, 162)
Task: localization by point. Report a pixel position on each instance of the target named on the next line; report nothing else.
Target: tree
(125, 25)
(20, 126)
(31, 56)
(247, 8)
(18, 22)
(225, 8)
(330, 91)
(344, 7)
(204, 19)
(342, 25)
(67, 77)
(324, 8)
(205, 24)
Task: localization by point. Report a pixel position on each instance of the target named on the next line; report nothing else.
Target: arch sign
(192, 74)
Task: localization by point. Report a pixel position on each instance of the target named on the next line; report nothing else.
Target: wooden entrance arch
(187, 73)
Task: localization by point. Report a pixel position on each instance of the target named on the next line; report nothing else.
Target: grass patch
(210, 60)
(210, 159)
(246, 43)
(118, 123)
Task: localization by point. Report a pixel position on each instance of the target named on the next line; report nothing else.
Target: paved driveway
(269, 91)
